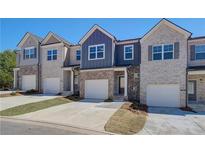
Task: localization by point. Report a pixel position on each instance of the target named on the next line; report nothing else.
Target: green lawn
(31, 107)
(126, 120)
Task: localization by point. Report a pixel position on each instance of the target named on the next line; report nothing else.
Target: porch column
(14, 83)
(125, 93)
(71, 83)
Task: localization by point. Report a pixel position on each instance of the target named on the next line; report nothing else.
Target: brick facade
(27, 70)
(133, 83)
(164, 71)
(94, 75)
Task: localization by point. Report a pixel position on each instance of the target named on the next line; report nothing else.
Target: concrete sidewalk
(173, 121)
(8, 102)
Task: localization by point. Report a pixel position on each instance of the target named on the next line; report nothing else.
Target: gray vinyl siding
(119, 55)
(97, 38)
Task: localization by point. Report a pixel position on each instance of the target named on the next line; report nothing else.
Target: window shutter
(176, 50)
(149, 53)
(192, 52)
(24, 54)
(34, 52)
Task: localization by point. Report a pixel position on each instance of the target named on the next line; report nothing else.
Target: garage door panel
(167, 95)
(97, 89)
(51, 85)
(28, 82)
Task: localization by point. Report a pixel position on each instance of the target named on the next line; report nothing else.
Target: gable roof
(92, 30)
(170, 24)
(26, 36)
(61, 39)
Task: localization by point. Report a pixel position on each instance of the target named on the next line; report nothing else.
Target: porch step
(118, 98)
(67, 93)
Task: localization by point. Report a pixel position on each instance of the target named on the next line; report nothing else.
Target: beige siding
(30, 42)
(164, 71)
(195, 62)
(53, 68)
(73, 60)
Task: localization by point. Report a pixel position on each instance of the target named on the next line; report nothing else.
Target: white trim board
(105, 69)
(196, 72)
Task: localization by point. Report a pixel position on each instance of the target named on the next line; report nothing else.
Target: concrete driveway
(8, 102)
(88, 114)
(174, 121)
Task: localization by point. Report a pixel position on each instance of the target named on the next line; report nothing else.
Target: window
(157, 53)
(168, 51)
(163, 52)
(30, 53)
(128, 52)
(96, 52)
(78, 55)
(52, 55)
(200, 52)
(190, 87)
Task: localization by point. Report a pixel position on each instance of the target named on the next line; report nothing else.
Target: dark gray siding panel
(119, 55)
(97, 38)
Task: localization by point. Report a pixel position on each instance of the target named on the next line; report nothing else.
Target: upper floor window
(78, 55)
(30, 53)
(96, 52)
(163, 52)
(200, 52)
(128, 52)
(52, 55)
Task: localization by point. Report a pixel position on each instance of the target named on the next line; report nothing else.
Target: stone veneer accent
(133, 83)
(94, 75)
(164, 71)
(28, 70)
(200, 87)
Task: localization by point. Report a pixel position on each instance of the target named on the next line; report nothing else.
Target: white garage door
(97, 89)
(28, 82)
(166, 95)
(51, 85)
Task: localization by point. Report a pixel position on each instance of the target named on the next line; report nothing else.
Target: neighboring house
(196, 70)
(26, 73)
(109, 68)
(166, 67)
(172, 70)
(54, 68)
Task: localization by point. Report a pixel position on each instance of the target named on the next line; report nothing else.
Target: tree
(7, 63)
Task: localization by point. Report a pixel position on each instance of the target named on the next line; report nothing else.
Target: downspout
(187, 75)
(39, 70)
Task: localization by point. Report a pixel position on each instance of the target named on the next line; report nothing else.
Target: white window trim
(125, 46)
(199, 52)
(90, 46)
(162, 45)
(52, 54)
(29, 48)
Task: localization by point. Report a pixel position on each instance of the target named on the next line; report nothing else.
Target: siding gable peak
(55, 38)
(92, 30)
(169, 24)
(27, 36)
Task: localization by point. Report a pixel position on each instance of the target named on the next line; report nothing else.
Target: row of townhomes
(166, 67)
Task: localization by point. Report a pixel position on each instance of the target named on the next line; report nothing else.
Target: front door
(121, 85)
(192, 90)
